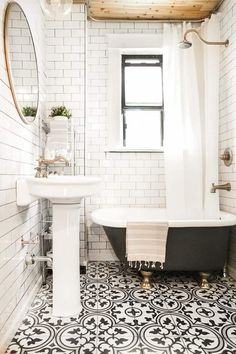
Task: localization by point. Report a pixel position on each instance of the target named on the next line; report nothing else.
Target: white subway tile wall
(19, 148)
(130, 179)
(227, 129)
(65, 81)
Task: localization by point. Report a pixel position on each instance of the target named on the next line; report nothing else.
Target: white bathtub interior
(119, 217)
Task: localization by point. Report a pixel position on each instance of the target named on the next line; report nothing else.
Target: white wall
(227, 131)
(19, 148)
(130, 179)
(65, 80)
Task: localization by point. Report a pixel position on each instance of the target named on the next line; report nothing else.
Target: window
(142, 101)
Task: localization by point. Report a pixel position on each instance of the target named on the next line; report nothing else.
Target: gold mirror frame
(8, 62)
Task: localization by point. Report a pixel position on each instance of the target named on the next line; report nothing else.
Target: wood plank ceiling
(151, 9)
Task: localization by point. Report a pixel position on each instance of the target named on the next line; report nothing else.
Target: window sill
(125, 149)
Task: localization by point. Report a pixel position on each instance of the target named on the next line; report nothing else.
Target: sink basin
(58, 189)
(65, 193)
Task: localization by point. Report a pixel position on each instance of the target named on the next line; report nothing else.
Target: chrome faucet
(226, 187)
(42, 168)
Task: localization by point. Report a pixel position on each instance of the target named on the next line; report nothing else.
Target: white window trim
(117, 46)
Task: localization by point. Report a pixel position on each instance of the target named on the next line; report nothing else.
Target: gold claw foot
(203, 283)
(146, 280)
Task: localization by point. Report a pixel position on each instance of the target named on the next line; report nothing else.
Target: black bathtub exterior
(201, 249)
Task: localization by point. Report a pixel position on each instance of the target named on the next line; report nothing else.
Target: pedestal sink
(65, 193)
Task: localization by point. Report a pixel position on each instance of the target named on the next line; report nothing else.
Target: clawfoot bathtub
(192, 245)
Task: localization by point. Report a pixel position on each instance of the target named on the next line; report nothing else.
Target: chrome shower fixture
(185, 44)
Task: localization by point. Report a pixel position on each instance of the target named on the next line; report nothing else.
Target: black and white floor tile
(118, 317)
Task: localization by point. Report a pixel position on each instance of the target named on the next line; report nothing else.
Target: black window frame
(124, 107)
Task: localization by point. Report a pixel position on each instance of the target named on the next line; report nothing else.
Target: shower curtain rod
(90, 17)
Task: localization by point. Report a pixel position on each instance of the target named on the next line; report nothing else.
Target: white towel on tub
(146, 242)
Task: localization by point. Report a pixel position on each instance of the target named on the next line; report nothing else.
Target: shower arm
(225, 43)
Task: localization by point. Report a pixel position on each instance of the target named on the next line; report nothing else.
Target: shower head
(185, 44)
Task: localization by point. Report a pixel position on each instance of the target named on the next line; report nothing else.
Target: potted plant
(60, 113)
(29, 112)
(58, 120)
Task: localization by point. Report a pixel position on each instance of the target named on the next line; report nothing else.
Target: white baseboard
(13, 323)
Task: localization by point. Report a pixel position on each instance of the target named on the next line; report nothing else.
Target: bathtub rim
(110, 217)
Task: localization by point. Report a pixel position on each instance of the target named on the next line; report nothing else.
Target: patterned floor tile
(216, 292)
(209, 314)
(118, 317)
(148, 350)
(140, 348)
(32, 338)
(180, 279)
(112, 336)
(50, 350)
(229, 332)
(204, 344)
(202, 338)
(162, 336)
(127, 281)
(78, 336)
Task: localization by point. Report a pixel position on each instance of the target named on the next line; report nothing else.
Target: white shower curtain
(191, 80)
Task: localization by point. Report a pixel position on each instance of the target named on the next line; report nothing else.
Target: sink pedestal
(66, 264)
(65, 193)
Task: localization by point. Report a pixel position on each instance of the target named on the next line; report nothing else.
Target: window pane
(143, 129)
(143, 86)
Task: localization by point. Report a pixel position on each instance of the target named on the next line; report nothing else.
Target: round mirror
(21, 62)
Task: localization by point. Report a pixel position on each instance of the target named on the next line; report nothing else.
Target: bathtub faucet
(226, 187)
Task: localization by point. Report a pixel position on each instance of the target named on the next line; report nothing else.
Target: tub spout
(30, 259)
(226, 187)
